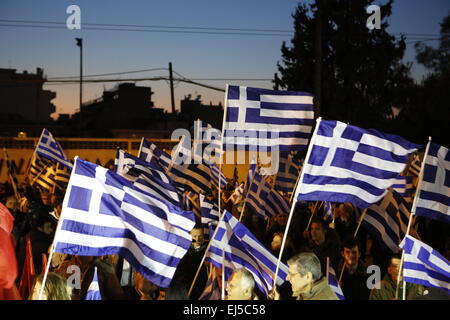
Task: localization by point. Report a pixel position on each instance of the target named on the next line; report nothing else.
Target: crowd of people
(311, 241)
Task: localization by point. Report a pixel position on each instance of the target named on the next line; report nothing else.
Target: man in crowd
(354, 276)
(386, 289)
(323, 242)
(241, 285)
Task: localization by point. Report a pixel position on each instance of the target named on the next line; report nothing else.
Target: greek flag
(93, 292)
(212, 288)
(434, 195)
(242, 249)
(264, 200)
(262, 119)
(207, 140)
(48, 147)
(414, 166)
(288, 172)
(333, 282)
(146, 176)
(404, 187)
(238, 194)
(194, 177)
(387, 220)
(209, 212)
(328, 213)
(425, 266)
(350, 164)
(103, 213)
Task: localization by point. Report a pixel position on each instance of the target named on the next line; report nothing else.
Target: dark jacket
(354, 285)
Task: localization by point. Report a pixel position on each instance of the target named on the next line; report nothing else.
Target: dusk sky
(194, 56)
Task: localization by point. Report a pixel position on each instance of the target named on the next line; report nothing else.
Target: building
(193, 109)
(23, 100)
(127, 106)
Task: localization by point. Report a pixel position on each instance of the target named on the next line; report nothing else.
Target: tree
(428, 113)
(362, 74)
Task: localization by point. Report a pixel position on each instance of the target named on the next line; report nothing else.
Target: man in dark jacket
(354, 276)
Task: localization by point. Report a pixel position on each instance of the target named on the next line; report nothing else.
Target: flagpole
(54, 181)
(53, 247)
(413, 210)
(140, 147)
(204, 256)
(313, 213)
(40, 173)
(360, 221)
(10, 173)
(221, 146)
(311, 142)
(223, 274)
(296, 183)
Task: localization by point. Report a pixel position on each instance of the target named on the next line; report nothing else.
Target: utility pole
(318, 44)
(172, 98)
(80, 44)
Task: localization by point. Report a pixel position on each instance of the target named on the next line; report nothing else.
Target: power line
(107, 74)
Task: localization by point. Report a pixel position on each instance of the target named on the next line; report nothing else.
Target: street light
(80, 44)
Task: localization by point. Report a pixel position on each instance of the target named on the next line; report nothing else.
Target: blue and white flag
(209, 214)
(49, 148)
(208, 141)
(388, 220)
(404, 187)
(328, 213)
(242, 249)
(265, 120)
(434, 195)
(212, 288)
(414, 166)
(350, 164)
(333, 282)
(264, 200)
(93, 292)
(425, 266)
(238, 194)
(103, 213)
(288, 173)
(147, 176)
(190, 176)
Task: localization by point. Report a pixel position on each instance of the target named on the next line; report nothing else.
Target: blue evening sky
(192, 55)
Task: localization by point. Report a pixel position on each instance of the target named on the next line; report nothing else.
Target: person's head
(198, 237)
(344, 211)
(351, 252)
(393, 267)
(277, 240)
(56, 288)
(281, 219)
(46, 198)
(12, 203)
(318, 231)
(57, 258)
(146, 289)
(240, 285)
(304, 270)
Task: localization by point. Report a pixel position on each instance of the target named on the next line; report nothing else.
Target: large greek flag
(434, 194)
(103, 213)
(288, 173)
(388, 220)
(264, 200)
(350, 164)
(49, 148)
(242, 249)
(424, 265)
(265, 120)
(146, 176)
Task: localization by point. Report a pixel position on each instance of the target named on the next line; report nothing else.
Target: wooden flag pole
(360, 221)
(223, 274)
(413, 210)
(221, 148)
(297, 190)
(54, 181)
(342, 273)
(140, 148)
